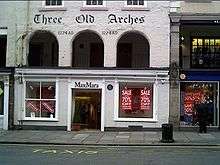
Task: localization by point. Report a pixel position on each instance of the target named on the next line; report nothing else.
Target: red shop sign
(126, 99)
(145, 97)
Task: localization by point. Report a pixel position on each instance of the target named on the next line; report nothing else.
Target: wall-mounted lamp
(182, 38)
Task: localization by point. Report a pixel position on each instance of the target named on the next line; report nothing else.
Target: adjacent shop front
(4, 99)
(195, 87)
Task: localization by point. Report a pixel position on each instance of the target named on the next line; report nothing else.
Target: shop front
(197, 87)
(104, 100)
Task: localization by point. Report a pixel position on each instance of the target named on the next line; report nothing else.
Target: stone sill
(96, 8)
(42, 9)
(135, 9)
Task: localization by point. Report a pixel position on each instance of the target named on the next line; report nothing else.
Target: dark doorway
(124, 55)
(96, 54)
(36, 52)
(3, 48)
(87, 50)
(86, 109)
(133, 51)
(43, 50)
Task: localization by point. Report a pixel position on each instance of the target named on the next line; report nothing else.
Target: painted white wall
(156, 28)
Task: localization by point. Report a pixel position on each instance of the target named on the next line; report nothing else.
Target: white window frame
(103, 4)
(51, 6)
(56, 104)
(135, 6)
(117, 98)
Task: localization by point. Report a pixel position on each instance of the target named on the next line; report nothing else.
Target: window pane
(59, 2)
(194, 42)
(129, 2)
(217, 42)
(88, 2)
(54, 2)
(33, 90)
(32, 108)
(206, 42)
(100, 2)
(48, 109)
(1, 98)
(47, 90)
(48, 2)
(135, 2)
(199, 41)
(136, 101)
(212, 42)
(141, 2)
(94, 2)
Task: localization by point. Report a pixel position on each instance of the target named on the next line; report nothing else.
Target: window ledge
(136, 120)
(40, 119)
(135, 8)
(95, 8)
(55, 8)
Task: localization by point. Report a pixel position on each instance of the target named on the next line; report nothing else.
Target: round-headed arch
(87, 50)
(133, 50)
(43, 49)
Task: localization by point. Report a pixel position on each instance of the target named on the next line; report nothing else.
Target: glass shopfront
(193, 93)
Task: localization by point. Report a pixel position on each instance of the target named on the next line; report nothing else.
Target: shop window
(1, 98)
(205, 53)
(43, 50)
(133, 51)
(135, 2)
(136, 101)
(88, 50)
(94, 2)
(53, 2)
(40, 100)
(193, 94)
(3, 48)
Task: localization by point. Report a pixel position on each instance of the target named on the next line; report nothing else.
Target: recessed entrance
(86, 109)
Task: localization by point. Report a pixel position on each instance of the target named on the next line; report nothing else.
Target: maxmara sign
(86, 85)
(89, 19)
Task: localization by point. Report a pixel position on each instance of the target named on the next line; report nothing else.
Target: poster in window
(126, 99)
(145, 99)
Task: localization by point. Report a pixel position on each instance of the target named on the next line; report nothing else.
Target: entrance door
(86, 109)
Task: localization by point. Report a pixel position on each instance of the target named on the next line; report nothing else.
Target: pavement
(148, 138)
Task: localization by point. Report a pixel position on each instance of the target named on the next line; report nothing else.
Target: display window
(1, 98)
(40, 101)
(136, 101)
(194, 93)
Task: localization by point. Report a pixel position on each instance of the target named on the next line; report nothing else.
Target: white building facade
(100, 64)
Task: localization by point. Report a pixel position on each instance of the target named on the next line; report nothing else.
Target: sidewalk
(107, 138)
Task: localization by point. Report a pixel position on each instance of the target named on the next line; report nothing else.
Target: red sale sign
(126, 99)
(145, 99)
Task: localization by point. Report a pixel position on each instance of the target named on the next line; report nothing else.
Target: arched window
(43, 49)
(88, 50)
(133, 51)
